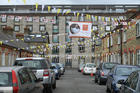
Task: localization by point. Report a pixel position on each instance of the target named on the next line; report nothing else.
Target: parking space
(74, 82)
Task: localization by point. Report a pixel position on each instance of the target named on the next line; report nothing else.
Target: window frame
(15, 28)
(56, 39)
(5, 19)
(41, 28)
(138, 28)
(28, 26)
(16, 17)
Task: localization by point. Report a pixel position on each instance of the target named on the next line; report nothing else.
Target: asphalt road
(74, 82)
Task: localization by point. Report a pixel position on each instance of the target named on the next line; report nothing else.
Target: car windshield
(108, 65)
(90, 65)
(5, 79)
(38, 64)
(125, 71)
(54, 65)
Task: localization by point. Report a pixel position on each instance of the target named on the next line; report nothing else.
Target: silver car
(41, 68)
(19, 80)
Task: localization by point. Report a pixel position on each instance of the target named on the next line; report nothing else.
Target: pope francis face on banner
(74, 28)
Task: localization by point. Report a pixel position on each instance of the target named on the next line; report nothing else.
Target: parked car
(56, 70)
(80, 67)
(89, 68)
(41, 68)
(117, 73)
(131, 84)
(62, 68)
(19, 80)
(102, 72)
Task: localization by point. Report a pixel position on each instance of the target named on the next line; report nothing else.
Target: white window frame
(17, 19)
(4, 19)
(9, 59)
(108, 28)
(138, 28)
(3, 59)
(124, 36)
(138, 58)
(111, 40)
(30, 27)
(17, 28)
(42, 28)
(119, 39)
(108, 45)
(125, 58)
(95, 28)
(30, 19)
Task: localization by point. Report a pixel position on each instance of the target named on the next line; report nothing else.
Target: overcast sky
(69, 2)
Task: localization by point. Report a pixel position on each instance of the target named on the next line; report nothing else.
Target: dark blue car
(118, 72)
(132, 83)
(56, 68)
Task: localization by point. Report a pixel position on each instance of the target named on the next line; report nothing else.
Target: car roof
(126, 66)
(34, 58)
(10, 68)
(90, 63)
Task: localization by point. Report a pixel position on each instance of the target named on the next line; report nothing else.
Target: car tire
(107, 89)
(112, 91)
(54, 85)
(50, 90)
(99, 81)
(95, 80)
(45, 89)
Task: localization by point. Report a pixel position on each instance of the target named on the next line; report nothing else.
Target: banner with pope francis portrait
(80, 29)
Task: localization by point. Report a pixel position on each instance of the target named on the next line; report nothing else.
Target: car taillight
(29, 59)
(46, 73)
(15, 82)
(102, 74)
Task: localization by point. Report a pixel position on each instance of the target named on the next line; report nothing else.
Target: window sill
(137, 36)
(124, 41)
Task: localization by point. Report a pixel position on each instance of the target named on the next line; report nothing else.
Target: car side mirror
(121, 82)
(110, 74)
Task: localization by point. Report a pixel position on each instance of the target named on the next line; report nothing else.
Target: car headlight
(56, 71)
(118, 85)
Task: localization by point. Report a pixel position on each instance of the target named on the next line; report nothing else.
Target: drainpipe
(121, 38)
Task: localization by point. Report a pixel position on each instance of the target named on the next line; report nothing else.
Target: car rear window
(108, 65)
(5, 79)
(38, 64)
(90, 65)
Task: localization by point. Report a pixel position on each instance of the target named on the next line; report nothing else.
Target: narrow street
(74, 82)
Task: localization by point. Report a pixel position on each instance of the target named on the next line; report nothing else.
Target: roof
(34, 58)
(16, 43)
(71, 2)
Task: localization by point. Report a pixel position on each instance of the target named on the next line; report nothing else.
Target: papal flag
(80, 29)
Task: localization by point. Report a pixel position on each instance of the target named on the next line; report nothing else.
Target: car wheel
(107, 89)
(99, 81)
(95, 80)
(50, 90)
(45, 90)
(54, 85)
(112, 91)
